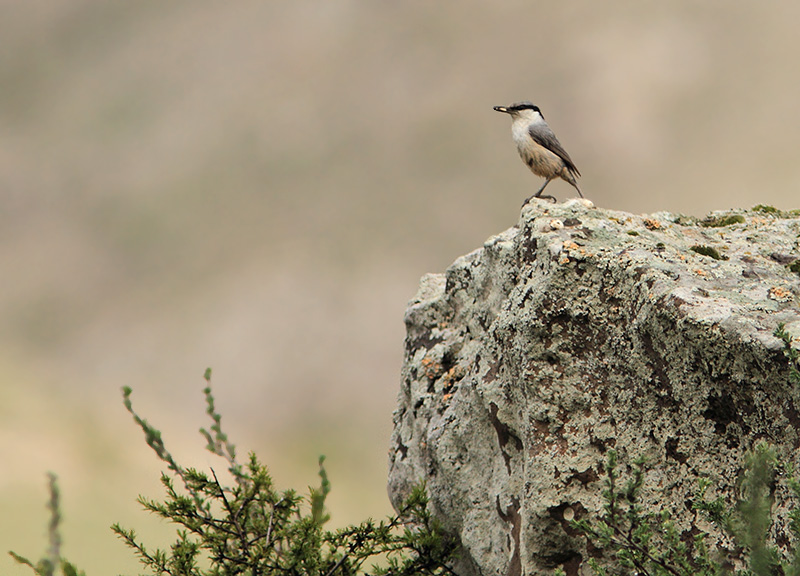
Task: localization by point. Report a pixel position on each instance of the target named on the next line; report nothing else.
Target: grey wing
(545, 137)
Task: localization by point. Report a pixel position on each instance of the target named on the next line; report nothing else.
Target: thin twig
(337, 565)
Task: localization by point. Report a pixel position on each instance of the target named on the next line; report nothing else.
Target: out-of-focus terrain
(258, 186)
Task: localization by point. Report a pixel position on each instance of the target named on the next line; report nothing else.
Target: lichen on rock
(533, 356)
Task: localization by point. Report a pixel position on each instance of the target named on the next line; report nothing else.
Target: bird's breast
(519, 132)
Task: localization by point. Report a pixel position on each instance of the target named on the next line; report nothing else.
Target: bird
(539, 148)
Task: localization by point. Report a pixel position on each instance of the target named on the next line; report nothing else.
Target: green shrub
(245, 526)
(52, 560)
(791, 353)
(632, 541)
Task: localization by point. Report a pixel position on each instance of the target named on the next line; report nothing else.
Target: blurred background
(258, 186)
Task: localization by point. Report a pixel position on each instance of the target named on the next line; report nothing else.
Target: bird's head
(521, 110)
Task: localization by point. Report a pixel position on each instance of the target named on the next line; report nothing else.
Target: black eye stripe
(524, 106)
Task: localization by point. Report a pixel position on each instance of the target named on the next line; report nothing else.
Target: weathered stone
(580, 330)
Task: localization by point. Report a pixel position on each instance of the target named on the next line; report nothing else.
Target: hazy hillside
(258, 188)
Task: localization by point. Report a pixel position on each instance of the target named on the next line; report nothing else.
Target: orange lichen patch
(571, 249)
(453, 375)
(651, 224)
(700, 272)
(433, 368)
(780, 294)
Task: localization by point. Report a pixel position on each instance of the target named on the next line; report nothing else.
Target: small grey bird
(539, 148)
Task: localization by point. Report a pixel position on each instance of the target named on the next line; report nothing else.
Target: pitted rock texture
(581, 330)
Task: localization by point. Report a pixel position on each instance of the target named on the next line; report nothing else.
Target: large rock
(581, 330)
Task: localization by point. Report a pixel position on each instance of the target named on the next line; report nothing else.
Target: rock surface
(581, 330)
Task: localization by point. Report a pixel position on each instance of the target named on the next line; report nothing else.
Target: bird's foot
(541, 197)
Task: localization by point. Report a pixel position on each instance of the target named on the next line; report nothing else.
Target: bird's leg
(578, 189)
(539, 193)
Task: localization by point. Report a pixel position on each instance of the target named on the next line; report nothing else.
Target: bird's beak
(501, 109)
